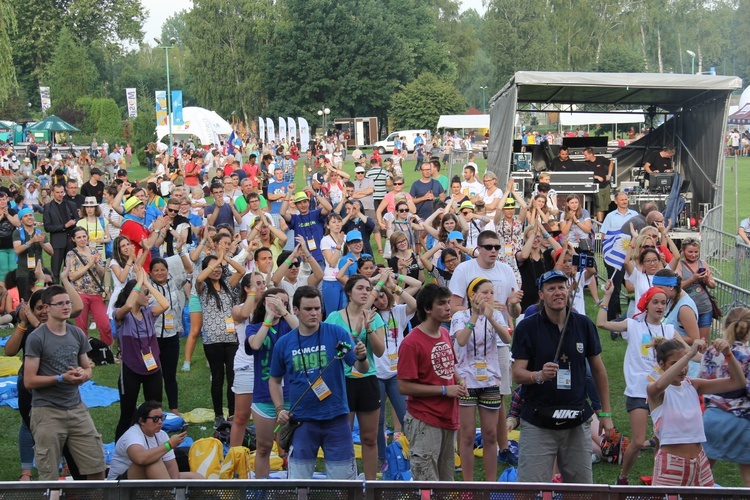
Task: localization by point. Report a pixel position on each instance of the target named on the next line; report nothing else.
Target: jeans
(389, 387)
(333, 296)
(614, 308)
(220, 358)
(130, 385)
(25, 446)
(169, 357)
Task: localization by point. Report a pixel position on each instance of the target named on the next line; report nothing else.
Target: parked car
(387, 144)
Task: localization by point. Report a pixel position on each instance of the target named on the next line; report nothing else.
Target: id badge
(509, 249)
(169, 321)
(149, 361)
(480, 371)
(230, 325)
(30, 261)
(393, 361)
(563, 379)
(320, 389)
(311, 245)
(355, 373)
(655, 374)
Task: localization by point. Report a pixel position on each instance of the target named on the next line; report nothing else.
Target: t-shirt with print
(640, 359)
(276, 187)
(217, 317)
(501, 276)
(56, 353)
(429, 361)
(262, 364)
(301, 358)
(479, 352)
(394, 323)
(310, 226)
(26, 266)
(335, 318)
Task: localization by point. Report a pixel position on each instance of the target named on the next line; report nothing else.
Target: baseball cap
(551, 276)
(353, 235)
(318, 177)
(96, 171)
(466, 204)
(301, 196)
(131, 203)
(122, 173)
(359, 170)
(456, 235)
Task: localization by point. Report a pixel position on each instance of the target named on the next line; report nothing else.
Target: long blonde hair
(737, 325)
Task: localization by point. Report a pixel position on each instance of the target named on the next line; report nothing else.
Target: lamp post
(692, 55)
(324, 112)
(484, 99)
(166, 48)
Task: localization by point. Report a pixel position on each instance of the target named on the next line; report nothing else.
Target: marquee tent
(464, 121)
(204, 124)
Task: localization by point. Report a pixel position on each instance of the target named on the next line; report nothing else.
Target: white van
(387, 144)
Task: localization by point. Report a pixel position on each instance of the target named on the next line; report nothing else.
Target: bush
(110, 120)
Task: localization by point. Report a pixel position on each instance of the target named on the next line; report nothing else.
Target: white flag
(130, 96)
(261, 129)
(282, 129)
(270, 131)
(292, 128)
(304, 134)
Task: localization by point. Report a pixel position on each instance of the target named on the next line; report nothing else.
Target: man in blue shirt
(221, 211)
(318, 394)
(306, 223)
(612, 224)
(277, 190)
(425, 190)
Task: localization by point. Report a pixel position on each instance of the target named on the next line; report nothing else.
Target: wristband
(538, 377)
(168, 446)
(137, 288)
(726, 356)
(40, 284)
(443, 391)
(267, 325)
(362, 359)
(397, 290)
(605, 415)
(400, 280)
(470, 326)
(546, 236)
(288, 262)
(60, 379)
(605, 308)
(379, 284)
(23, 328)
(279, 409)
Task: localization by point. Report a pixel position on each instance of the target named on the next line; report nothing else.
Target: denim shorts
(244, 380)
(335, 437)
(705, 319)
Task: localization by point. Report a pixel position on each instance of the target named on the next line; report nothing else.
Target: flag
(177, 118)
(292, 128)
(615, 246)
(161, 107)
(269, 130)
(282, 129)
(130, 96)
(304, 134)
(261, 129)
(230, 142)
(46, 101)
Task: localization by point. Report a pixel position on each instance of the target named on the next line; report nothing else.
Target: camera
(584, 258)
(343, 348)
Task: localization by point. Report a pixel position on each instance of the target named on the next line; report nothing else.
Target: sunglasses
(491, 247)
(398, 183)
(296, 263)
(644, 247)
(155, 418)
(173, 210)
(401, 211)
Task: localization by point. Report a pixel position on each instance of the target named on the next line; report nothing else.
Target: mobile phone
(701, 270)
(184, 428)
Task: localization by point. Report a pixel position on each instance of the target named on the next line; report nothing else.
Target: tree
(174, 27)
(420, 103)
(8, 83)
(621, 59)
(70, 74)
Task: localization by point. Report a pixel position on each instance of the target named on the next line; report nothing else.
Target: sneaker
(595, 458)
(218, 421)
(622, 481)
(507, 457)
(613, 335)
(186, 366)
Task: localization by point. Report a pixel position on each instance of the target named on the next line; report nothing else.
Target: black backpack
(100, 353)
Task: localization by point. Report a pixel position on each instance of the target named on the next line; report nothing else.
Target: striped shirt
(379, 176)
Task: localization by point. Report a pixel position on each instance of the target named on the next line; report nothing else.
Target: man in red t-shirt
(193, 171)
(427, 375)
(141, 238)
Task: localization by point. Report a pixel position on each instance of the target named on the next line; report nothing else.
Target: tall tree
(174, 27)
(8, 83)
(71, 74)
(420, 103)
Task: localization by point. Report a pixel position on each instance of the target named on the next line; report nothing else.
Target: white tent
(464, 121)
(574, 119)
(206, 125)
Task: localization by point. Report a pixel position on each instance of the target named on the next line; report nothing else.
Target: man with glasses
(221, 212)
(55, 366)
(364, 187)
(177, 224)
(555, 415)
(425, 191)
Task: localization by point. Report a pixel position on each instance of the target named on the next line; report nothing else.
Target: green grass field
(195, 389)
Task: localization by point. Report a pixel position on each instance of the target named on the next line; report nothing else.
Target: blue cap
(24, 211)
(456, 235)
(353, 235)
(550, 276)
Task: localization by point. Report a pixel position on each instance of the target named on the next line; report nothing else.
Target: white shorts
(244, 379)
(503, 356)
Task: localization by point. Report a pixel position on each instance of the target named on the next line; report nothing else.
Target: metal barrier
(347, 490)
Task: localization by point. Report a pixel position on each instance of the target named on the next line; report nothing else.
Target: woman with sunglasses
(271, 320)
(145, 451)
(141, 365)
(404, 221)
(403, 259)
(509, 227)
(86, 273)
(696, 280)
(396, 320)
(362, 389)
(269, 236)
(388, 205)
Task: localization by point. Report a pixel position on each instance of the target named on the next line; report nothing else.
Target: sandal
(25, 476)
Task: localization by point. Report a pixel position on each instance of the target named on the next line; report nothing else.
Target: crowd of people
(317, 303)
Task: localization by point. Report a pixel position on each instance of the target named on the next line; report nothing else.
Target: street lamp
(484, 99)
(692, 55)
(324, 112)
(160, 45)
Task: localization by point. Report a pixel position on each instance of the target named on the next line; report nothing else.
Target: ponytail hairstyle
(247, 281)
(737, 325)
(665, 348)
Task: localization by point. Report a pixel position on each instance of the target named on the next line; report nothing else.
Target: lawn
(195, 385)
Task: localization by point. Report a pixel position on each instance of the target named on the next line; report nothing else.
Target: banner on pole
(161, 107)
(292, 131)
(130, 96)
(304, 134)
(282, 129)
(177, 118)
(44, 94)
(261, 128)
(270, 131)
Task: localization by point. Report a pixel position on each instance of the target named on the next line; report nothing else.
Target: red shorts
(671, 470)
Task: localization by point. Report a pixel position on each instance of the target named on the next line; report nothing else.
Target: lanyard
(164, 290)
(387, 328)
(349, 324)
(302, 355)
(651, 333)
(474, 338)
(138, 332)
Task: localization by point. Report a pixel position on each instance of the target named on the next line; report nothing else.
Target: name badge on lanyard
(149, 361)
(320, 389)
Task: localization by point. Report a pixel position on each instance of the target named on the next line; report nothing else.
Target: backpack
(205, 457)
(236, 464)
(398, 464)
(100, 352)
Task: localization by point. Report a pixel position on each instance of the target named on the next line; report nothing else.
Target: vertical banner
(304, 134)
(44, 94)
(292, 128)
(282, 129)
(130, 97)
(269, 130)
(177, 118)
(161, 107)
(261, 129)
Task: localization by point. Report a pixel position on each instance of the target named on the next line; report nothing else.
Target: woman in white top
(121, 267)
(476, 331)
(575, 223)
(492, 193)
(332, 246)
(641, 274)
(113, 218)
(676, 412)
(640, 361)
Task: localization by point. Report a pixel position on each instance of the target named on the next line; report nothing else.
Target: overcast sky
(159, 10)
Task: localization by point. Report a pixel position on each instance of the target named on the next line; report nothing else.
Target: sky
(159, 10)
